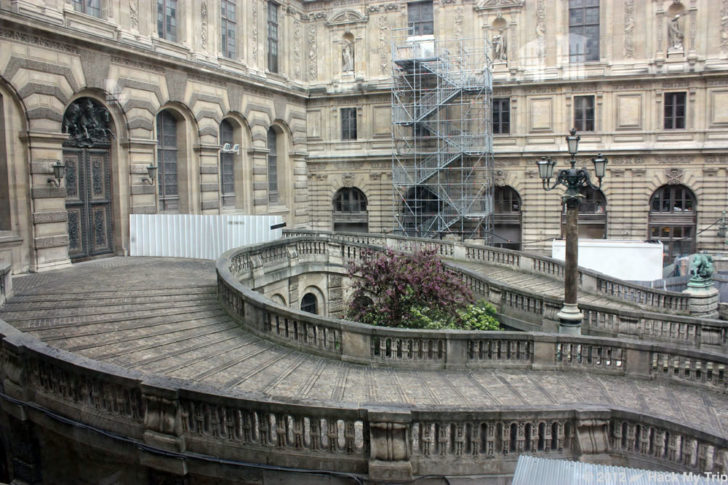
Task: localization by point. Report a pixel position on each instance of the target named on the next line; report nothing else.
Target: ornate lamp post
(573, 179)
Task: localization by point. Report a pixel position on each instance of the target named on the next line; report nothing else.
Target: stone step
(99, 329)
(42, 325)
(82, 311)
(86, 294)
(17, 306)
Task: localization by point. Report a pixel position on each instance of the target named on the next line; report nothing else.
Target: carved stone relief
(203, 32)
(674, 176)
(383, 45)
(297, 40)
(134, 14)
(254, 33)
(628, 29)
(312, 68)
(724, 25)
(541, 29)
(498, 4)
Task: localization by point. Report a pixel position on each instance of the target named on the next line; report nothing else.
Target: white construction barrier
(626, 260)
(197, 236)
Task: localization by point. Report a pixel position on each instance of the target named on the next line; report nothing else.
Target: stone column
(50, 226)
(143, 194)
(300, 216)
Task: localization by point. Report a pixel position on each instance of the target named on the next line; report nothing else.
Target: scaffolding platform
(442, 163)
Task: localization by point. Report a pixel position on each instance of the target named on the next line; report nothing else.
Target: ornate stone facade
(336, 55)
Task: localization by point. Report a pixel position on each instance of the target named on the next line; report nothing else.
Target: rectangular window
(272, 37)
(501, 116)
(674, 111)
(89, 7)
(420, 18)
(227, 28)
(583, 30)
(348, 123)
(167, 19)
(584, 113)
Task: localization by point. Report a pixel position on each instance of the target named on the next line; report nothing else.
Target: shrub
(414, 291)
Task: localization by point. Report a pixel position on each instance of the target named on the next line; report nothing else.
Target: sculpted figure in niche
(347, 57)
(674, 34)
(500, 48)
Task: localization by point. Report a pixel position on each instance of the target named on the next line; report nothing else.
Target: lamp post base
(570, 319)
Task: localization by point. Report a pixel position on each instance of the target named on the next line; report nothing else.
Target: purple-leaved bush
(392, 289)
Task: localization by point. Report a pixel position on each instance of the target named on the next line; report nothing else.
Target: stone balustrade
(517, 307)
(172, 421)
(647, 298)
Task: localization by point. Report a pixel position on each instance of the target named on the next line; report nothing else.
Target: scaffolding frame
(442, 157)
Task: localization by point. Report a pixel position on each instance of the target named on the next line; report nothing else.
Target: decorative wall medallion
(674, 176)
(500, 178)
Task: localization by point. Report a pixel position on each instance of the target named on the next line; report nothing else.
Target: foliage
(414, 291)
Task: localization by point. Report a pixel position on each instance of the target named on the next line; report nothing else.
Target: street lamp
(573, 179)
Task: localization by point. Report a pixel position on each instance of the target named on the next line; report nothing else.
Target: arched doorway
(507, 218)
(350, 210)
(592, 214)
(672, 220)
(87, 156)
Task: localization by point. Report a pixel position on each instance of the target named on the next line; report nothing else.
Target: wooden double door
(88, 202)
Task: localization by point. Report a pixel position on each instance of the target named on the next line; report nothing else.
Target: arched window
(309, 303)
(507, 218)
(272, 166)
(672, 220)
(592, 214)
(350, 210)
(167, 162)
(227, 164)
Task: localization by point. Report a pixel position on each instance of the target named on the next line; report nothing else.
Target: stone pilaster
(259, 161)
(50, 234)
(210, 196)
(143, 195)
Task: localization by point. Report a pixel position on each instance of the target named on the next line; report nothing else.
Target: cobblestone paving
(160, 316)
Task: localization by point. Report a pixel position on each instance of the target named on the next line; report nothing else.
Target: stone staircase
(161, 316)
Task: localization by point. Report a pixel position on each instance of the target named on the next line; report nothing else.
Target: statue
(701, 271)
(675, 35)
(347, 57)
(500, 48)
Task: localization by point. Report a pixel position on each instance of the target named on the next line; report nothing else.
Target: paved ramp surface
(160, 316)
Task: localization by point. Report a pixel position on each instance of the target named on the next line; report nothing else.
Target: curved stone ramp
(540, 285)
(160, 316)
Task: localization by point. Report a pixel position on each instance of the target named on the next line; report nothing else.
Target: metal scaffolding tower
(442, 163)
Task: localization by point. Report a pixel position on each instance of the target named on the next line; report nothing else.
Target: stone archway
(87, 157)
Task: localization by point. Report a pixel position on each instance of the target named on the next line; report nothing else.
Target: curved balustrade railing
(175, 420)
(647, 298)
(516, 307)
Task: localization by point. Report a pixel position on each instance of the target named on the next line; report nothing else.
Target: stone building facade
(264, 107)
